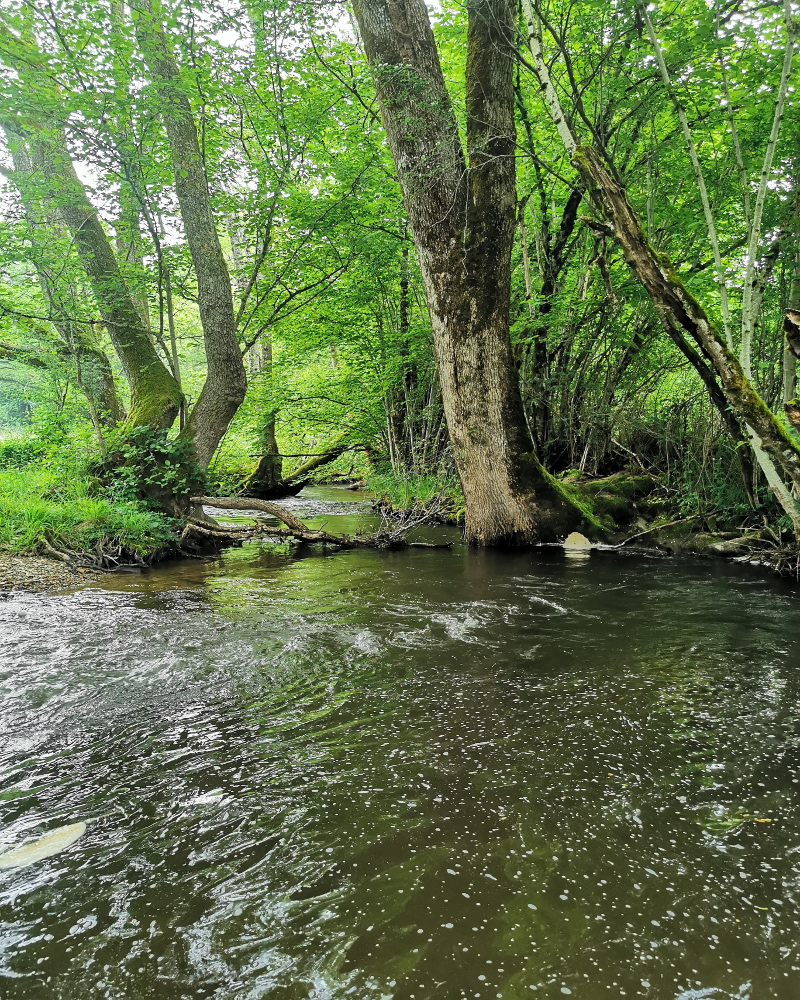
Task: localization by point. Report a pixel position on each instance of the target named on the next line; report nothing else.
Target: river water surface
(412, 775)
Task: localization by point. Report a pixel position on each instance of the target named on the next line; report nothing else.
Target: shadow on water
(413, 775)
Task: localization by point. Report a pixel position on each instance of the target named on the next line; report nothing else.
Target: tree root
(55, 553)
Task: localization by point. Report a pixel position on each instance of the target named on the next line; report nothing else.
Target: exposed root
(55, 553)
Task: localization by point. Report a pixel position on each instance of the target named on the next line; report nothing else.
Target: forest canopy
(494, 251)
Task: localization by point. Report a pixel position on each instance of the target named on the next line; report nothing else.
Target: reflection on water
(412, 775)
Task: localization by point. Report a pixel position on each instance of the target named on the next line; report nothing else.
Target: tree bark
(463, 223)
(226, 381)
(155, 397)
(97, 377)
(679, 310)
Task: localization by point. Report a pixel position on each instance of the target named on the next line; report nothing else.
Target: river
(412, 775)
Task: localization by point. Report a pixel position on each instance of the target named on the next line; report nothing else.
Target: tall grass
(38, 504)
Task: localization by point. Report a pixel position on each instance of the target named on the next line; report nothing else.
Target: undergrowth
(39, 504)
(440, 497)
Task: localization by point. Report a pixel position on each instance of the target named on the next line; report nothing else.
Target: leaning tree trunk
(155, 396)
(463, 224)
(44, 230)
(226, 381)
(679, 310)
(791, 338)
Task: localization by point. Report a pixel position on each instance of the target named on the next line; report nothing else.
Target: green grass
(438, 495)
(39, 504)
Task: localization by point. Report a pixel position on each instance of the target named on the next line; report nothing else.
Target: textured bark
(226, 381)
(463, 222)
(791, 346)
(80, 342)
(679, 310)
(155, 396)
(791, 333)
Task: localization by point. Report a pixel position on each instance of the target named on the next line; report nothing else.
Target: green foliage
(149, 467)
(39, 504)
(17, 453)
(312, 221)
(438, 496)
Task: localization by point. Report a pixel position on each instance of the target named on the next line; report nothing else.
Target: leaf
(43, 847)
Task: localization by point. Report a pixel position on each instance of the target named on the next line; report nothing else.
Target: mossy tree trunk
(81, 342)
(155, 395)
(463, 219)
(680, 311)
(226, 381)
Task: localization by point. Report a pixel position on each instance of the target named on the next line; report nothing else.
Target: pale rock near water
(577, 541)
(43, 847)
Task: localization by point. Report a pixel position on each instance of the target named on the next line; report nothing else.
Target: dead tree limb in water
(238, 503)
(296, 529)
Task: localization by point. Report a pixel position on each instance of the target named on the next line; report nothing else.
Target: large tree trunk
(226, 381)
(463, 224)
(97, 377)
(155, 396)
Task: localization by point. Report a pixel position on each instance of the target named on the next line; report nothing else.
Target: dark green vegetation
(480, 256)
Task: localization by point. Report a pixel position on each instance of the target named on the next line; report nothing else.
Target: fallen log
(354, 541)
(238, 503)
(296, 529)
(224, 536)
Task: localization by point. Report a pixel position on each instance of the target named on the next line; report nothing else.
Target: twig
(656, 527)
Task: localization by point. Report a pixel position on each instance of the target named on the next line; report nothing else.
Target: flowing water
(411, 775)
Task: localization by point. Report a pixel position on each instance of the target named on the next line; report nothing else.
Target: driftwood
(657, 527)
(54, 553)
(296, 529)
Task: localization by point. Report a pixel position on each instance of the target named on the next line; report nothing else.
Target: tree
(226, 381)
(155, 395)
(679, 311)
(462, 215)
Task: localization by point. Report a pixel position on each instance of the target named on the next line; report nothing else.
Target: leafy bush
(147, 467)
(20, 452)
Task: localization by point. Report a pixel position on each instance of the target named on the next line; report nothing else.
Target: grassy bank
(39, 506)
(438, 498)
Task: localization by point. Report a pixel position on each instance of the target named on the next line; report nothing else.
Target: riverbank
(56, 517)
(643, 524)
(638, 512)
(36, 574)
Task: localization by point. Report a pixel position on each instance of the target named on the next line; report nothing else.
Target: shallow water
(425, 774)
